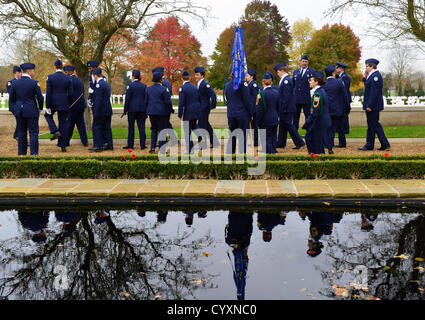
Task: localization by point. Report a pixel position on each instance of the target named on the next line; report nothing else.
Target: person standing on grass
(102, 114)
(373, 104)
(319, 120)
(340, 70)
(338, 107)
(159, 108)
(58, 99)
(189, 108)
(17, 74)
(28, 101)
(135, 107)
(287, 109)
(78, 105)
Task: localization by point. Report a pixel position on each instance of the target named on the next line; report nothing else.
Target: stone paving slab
(118, 188)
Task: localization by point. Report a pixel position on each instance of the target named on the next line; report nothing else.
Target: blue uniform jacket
(319, 117)
(168, 85)
(337, 97)
(101, 99)
(347, 83)
(34, 221)
(208, 96)
(77, 93)
(135, 97)
(189, 102)
(58, 91)
(9, 89)
(27, 98)
(158, 100)
(286, 94)
(253, 92)
(269, 116)
(267, 222)
(238, 104)
(301, 86)
(373, 92)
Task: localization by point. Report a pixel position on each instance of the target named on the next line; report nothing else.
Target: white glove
(48, 111)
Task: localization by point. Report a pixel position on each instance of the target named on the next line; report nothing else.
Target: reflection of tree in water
(389, 278)
(103, 261)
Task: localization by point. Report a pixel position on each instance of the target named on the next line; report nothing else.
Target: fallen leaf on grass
(402, 256)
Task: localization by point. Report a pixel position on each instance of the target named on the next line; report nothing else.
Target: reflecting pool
(211, 254)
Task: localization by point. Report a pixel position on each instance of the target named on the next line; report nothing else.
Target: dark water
(211, 254)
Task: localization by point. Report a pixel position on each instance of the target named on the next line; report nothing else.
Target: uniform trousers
(315, 138)
(375, 128)
(285, 126)
(140, 118)
(76, 118)
(158, 123)
(27, 125)
(241, 123)
(306, 108)
(102, 132)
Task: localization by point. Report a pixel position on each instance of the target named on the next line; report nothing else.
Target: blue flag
(240, 66)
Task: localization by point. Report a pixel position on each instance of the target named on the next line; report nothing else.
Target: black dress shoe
(331, 152)
(152, 151)
(383, 148)
(339, 146)
(298, 147)
(55, 136)
(107, 148)
(365, 149)
(143, 148)
(127, 147)
(85, 144)
(96, 149)
(63, 149)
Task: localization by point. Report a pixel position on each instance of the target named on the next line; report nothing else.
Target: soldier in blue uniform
(239, 114)
(368, 222)
(319, 120)
(91, 65)
(168, 85)
(77, 107)
(373, 103)
(161, 216)
(35, 222)
(339, 106)
(102, 114)
(28, 101)
(268, 221)
(59, 93)
(189, 108)
(69, 220)
(237, 235)
(208, 103)
(159, 107)
(254, 88)
(301, 77)
(17, 74)
(340, 70)
(135, 107)
(267, 114)
(287, 109)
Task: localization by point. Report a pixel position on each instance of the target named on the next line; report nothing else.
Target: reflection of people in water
(368, 222)
(102, 216)
(321, 223)
(267, 222)
(36, 222)
(238, 234)
(202, 214)
(68, 219)
(141, 214)
(162, 216)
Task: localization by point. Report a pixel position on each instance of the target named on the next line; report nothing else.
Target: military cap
(16, 69)
(158, 69)
(157, 76)
(279, 66)
(200, 70)
(92, 64)
(374, 61)
(268, 75)
(329, 70)
(304, 57)
(68, 68)
(185, 73)
(317, 74)
(136, 73)
(58, 63)
(340, 64)
(252, 72)
(27, 65)
(97, 71)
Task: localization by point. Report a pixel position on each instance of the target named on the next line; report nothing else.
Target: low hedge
(279, 169)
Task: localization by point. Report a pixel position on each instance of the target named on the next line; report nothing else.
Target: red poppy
(386, 155)
(123, 157)
(316, 155)
(312, 154)
(130, 150)
(133, 156)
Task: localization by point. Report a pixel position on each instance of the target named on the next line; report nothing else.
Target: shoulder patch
(128, 87)
(286, 82)
(98, 86)
(167, 89)
(208, 86)
(376, 79)
(9, 84)
(255, 85)
(316, 101)
(38, 84)
(245, 84)
(180, 90)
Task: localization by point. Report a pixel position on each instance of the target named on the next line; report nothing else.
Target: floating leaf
(402, 256)
(197, 281)
(421, 269)
(340, 291)
(387, 268)
(327, 204)
(158, 296)
(206, 254)
(420, 289)
(414, 281)
(419, 260)
(60, 245)
(372, 298)
(126, 294)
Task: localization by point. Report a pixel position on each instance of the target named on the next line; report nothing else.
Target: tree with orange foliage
(172, 46)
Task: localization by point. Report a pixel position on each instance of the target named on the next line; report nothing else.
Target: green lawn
(356, 132)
